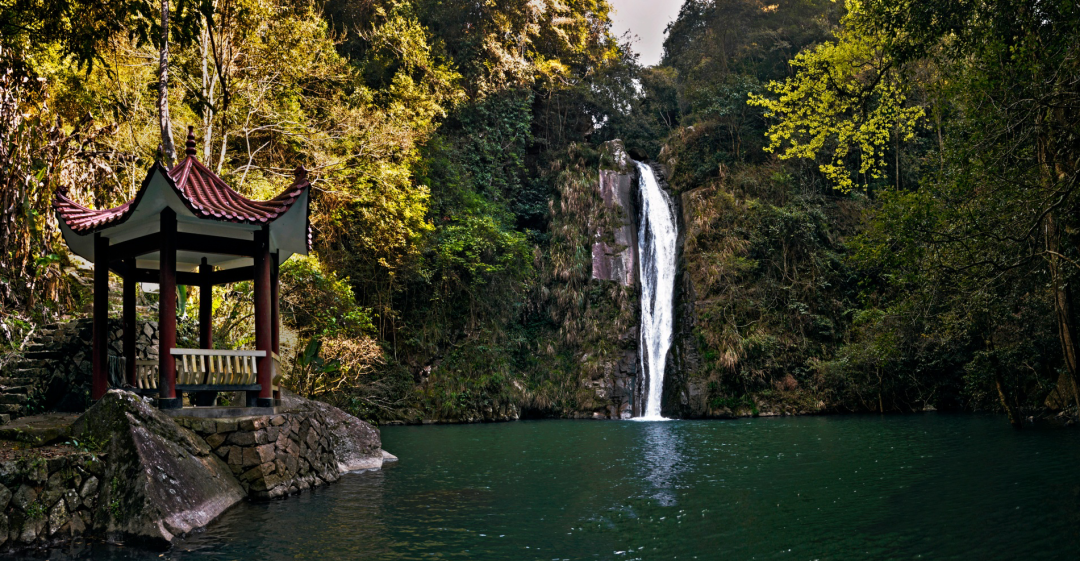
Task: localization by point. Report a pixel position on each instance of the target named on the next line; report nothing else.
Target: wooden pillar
(206, 323)
(275, 313)
(263, 330)
(100, 382)
(131, 324)
(275, 303)
(167, 313)
(206, 306)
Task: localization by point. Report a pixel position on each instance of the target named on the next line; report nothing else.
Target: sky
(646, 19)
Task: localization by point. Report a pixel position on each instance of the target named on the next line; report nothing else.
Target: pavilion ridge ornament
(185, 226)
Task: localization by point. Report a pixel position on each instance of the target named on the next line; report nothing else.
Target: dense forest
(878, 197)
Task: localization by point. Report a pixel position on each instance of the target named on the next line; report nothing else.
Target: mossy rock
(160, 479)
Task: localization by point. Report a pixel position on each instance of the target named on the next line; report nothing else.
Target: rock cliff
(615, 254)
(615, 259)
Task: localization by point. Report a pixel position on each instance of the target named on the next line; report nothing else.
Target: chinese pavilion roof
(201, 201)
(201, 191)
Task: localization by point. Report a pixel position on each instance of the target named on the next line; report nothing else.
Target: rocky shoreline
(134, 475)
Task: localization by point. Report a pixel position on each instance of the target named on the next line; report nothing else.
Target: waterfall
(656, 249)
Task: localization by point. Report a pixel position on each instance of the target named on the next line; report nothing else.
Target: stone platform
(222, 412)
(270, 455)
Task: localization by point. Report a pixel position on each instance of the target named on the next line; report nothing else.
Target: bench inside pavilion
(185, 226)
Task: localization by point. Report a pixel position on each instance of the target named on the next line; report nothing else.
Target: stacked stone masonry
(272, 456)
(47, 501)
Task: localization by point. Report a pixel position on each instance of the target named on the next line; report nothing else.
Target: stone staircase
(18, 378)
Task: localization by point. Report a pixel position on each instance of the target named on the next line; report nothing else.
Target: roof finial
(300, 173)
(190, 141)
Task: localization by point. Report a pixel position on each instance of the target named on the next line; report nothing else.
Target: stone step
(12, 381)
(11, 409)
(15, 389)
(36, 348)
(31, 372)
(16, 398)
(41, 355)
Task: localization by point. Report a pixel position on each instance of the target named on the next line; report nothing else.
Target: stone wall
(146, 341)
(272, 456)
(47, 501)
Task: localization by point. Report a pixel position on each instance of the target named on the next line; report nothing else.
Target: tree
(989, 237)
(848, 99)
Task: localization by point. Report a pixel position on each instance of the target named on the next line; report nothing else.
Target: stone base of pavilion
(223, 412)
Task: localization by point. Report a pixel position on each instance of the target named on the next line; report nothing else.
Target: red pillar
(206, 322)
(167, 313)
(100, 383)
(275, 310)
(131, 325)
(263, 331)
(206, 306)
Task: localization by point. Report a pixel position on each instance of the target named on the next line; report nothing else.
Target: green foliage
(313, 375)
(318, 303)
(766, 260)
(967, 275)
(847, 99)
(82, 27)
(453, 151)
(36, 510)
(89, 444)
(472, 382)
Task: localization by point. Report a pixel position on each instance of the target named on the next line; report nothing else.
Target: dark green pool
(933, 486)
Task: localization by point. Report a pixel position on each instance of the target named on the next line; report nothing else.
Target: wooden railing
(275, 381)
(213, 370)
(146, 375)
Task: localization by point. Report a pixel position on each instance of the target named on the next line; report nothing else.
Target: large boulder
(160, 480)
(356, 444)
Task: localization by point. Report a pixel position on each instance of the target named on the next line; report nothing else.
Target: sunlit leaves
(846, 104)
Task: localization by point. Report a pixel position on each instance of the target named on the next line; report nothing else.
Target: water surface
(933, 486)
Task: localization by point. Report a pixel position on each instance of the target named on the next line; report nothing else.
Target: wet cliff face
(684, 396)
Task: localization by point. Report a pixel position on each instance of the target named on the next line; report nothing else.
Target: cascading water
(656, 248)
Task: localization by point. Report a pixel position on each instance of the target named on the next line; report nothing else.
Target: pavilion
(185, 226)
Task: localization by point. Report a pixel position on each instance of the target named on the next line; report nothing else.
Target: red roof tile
(202, 192)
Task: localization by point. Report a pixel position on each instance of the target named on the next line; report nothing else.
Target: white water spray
(656, 248)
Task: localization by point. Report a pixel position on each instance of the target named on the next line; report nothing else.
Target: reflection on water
(930, 486)
(661, 461)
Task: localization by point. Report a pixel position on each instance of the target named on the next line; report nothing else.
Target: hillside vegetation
(877, 197)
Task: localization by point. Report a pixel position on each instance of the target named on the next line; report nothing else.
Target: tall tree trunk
(168, 149)
(1014, 420)
(1050, 122)
(208, 83)
(1063, 309)
(999, 384)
